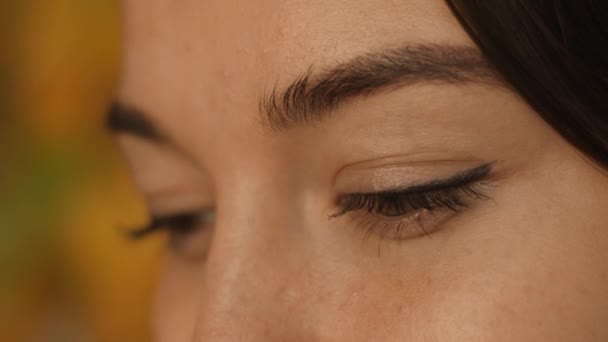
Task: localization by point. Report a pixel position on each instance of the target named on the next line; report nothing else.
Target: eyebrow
(122, 118)
(315, 95)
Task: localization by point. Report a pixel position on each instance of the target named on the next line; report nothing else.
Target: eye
(415, 210)
(187, 231)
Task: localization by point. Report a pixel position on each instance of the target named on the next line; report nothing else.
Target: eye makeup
(189, 232)
(423, 206)
(179, 225)
(399, 213)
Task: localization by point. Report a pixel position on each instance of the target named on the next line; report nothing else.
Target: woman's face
(353, 170)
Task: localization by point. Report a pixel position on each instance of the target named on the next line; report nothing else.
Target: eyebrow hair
(122, 118)
(312, 97)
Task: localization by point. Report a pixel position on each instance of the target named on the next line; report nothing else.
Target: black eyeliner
(458, 180)
(446, 193)
(182, 222)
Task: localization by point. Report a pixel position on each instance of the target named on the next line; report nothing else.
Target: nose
(254, 277)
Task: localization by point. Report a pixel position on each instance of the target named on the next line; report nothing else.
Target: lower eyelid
(194, 245)
(423, 222)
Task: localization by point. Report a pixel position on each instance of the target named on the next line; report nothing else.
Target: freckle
(291, 296)
(400, 309)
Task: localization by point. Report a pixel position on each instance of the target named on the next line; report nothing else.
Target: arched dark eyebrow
(122, 118)
(312, 97)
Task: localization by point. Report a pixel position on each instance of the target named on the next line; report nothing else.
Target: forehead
(213, 56)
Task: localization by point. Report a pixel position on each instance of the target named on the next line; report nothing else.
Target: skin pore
(214, 135)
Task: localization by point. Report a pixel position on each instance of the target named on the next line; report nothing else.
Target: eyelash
(393, 204)
(178, 225)
(395, 212)
(391, 213)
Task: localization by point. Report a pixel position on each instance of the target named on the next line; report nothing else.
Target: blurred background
(67, 271)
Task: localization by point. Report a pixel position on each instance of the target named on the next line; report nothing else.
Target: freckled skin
(528, 265)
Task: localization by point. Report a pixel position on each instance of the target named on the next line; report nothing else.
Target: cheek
(177, 301)
(531, 269)
(440, 306)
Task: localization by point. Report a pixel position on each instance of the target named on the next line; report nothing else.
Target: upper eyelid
(460, 179)
(157, 222)
(465, 181)
(163, 219)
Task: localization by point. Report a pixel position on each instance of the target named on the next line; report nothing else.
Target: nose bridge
(248, 291)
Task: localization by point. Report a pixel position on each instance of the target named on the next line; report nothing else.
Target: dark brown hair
(554, 53)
